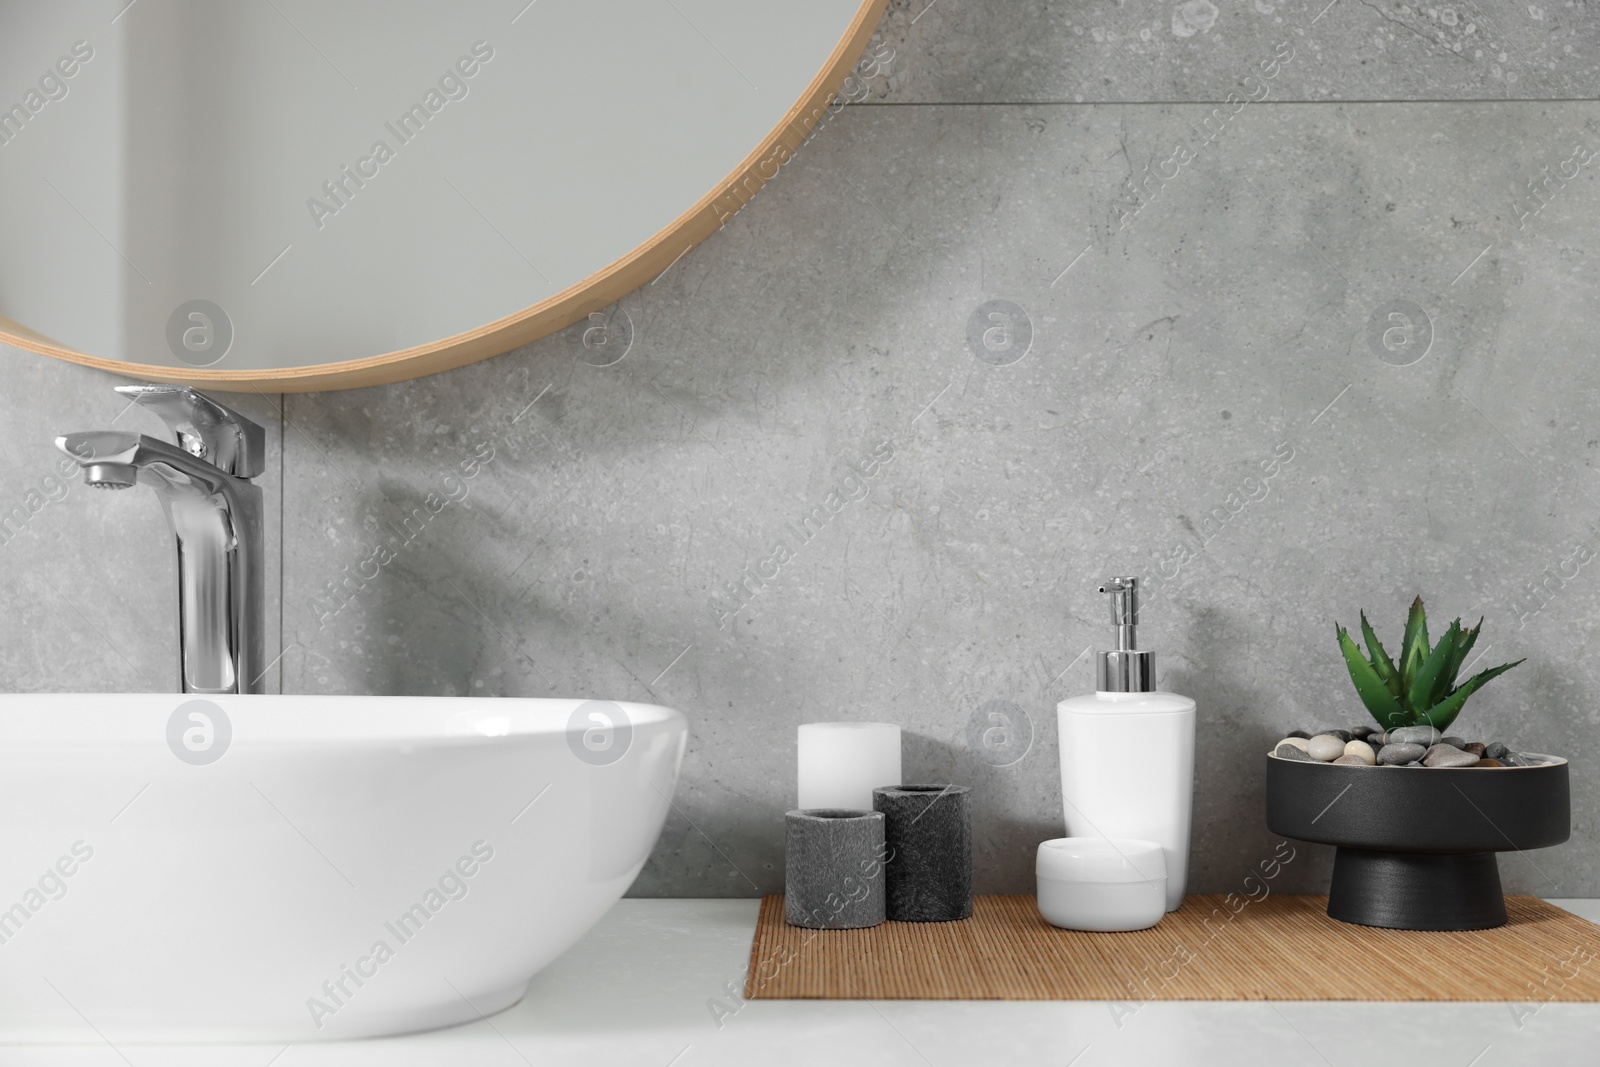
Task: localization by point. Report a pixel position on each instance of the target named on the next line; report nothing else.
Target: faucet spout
(216, 519)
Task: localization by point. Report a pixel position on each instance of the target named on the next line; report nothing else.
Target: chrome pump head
(1125, 669)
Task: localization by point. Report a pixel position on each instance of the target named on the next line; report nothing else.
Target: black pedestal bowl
(1416, 845)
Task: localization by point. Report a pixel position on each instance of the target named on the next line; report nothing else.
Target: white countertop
(644, 989)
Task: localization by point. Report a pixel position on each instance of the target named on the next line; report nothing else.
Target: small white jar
(1095, 883)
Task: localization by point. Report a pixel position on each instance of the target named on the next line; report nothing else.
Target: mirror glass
(228, 189)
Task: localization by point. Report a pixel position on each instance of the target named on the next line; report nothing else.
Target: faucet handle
(205, 428)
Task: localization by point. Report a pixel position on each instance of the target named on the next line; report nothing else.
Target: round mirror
(293, 195)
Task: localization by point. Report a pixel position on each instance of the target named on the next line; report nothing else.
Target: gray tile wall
(1206, 284)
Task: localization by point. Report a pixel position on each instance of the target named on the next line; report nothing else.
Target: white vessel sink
(347, 867)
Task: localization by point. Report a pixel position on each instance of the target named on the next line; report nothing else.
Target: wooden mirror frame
(597, 291)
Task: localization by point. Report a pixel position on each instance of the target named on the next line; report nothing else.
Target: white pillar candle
(841, 763)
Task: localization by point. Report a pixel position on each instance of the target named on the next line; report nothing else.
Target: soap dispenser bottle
(1127, 750)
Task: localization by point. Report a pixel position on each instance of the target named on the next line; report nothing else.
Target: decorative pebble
(1414, 735)
(1325, 747)
(1404, 746)
(1360, 750)
(1399, 754)
(1449, 756)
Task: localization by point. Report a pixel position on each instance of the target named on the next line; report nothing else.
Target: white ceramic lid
(1099, 859)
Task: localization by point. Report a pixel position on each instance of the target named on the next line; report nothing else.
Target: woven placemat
(1277, 948)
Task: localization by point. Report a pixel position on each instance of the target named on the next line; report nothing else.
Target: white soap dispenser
(1127, 750)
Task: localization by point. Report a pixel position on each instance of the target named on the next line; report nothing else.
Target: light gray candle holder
(833, 868)
(928, 830)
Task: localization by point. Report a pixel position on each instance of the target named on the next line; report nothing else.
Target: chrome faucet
(215, 514)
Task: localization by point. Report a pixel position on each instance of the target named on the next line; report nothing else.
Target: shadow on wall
(1229, 839)
(437, 603)
(1003, 843)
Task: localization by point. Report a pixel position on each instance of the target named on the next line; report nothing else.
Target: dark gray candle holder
(928, 829)
(833, 868)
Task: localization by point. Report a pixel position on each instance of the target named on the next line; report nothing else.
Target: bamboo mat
(1280, 948)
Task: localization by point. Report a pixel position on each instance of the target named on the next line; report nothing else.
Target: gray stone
(1454, 742)
(1362, 732)
(1351, 761)
(1294, 752)
(1399, 754)
(928, 829)
(1377, 739)
(1434, 750)
(1449, 756)
(1325, 747)
(1495, 750)
(1414, 735)
(834, 865)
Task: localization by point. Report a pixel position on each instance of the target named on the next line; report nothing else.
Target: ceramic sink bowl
(288, 868)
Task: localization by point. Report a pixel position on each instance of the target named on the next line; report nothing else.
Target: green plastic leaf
(1414, 647)
(1383, 705)
(1425, 685)
(1379, 658)
(1444, 713)
(1446, 683)
(1463, 648)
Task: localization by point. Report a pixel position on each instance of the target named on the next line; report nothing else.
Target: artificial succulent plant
(1421, 689)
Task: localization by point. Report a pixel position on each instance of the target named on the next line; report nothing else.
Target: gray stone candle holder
(928, 829)
(833, 868)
